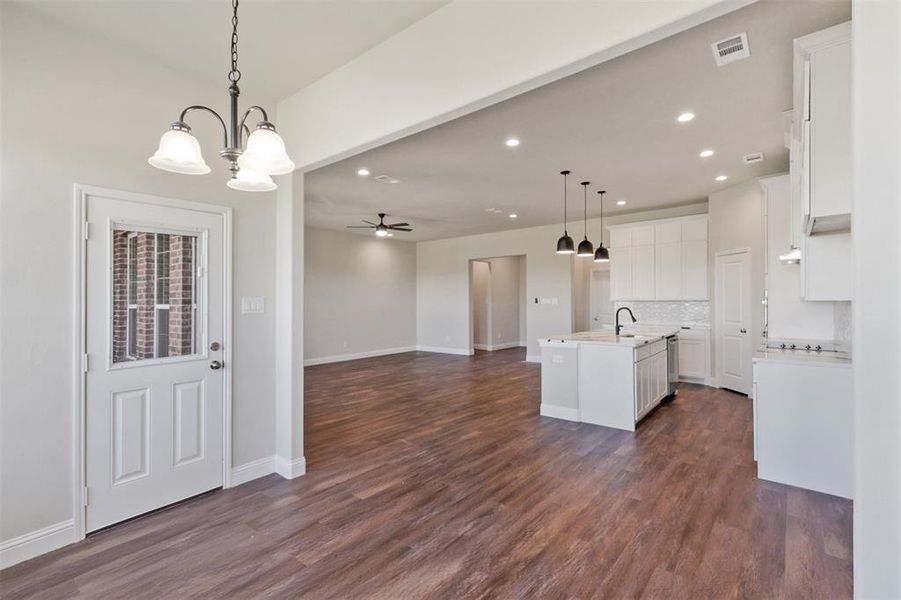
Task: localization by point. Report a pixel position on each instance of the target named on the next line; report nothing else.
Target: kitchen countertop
(605, 337)
(835, 359)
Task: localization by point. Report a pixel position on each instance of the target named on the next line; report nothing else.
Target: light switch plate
(250, 306)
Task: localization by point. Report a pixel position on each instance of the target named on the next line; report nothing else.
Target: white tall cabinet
(821, 166)
(659, 260)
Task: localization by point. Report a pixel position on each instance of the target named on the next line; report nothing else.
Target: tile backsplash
(682, 313)
(842, 323)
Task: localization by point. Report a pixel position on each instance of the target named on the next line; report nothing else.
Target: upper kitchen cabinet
(821, 162)
(659, 260)
(823, 101)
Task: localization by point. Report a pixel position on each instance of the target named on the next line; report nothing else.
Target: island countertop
(609, 338)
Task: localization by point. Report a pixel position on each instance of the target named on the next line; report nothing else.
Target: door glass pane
(155, 295)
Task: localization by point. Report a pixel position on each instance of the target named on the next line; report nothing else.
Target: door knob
(216, 365)
(743, 330)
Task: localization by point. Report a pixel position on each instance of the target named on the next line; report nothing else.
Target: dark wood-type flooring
(433, 476)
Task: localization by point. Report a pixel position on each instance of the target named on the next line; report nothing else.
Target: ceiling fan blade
(360, 226)
(368, 222)
(399, 229)
(399, 225)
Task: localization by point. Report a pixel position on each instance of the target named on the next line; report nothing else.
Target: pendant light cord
(602, 192)
(564, 173)
(234, 75)
(585, 206)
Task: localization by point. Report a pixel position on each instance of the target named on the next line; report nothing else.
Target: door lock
(216, 365)
(743, 330)
(215, 346)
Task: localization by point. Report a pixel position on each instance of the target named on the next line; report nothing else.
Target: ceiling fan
(382, 229)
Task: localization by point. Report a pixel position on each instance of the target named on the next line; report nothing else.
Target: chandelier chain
(234, 75)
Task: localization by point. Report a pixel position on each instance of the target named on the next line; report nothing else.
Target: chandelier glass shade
(251, 166)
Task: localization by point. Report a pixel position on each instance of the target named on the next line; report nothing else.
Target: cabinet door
(621, 274)
(643, 235)
(620, 237)
(694, 230)
(667, 233)
(692, 358)
(643, 273)
(830, 131)
(669, 271)
(694, 270)
(662, 376)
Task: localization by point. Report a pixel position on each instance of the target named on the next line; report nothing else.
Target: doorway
(155, 337)
(734, 346)
(600, 304)
(498, 303)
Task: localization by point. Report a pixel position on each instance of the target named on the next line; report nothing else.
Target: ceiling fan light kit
(381, 228)
(251, 167)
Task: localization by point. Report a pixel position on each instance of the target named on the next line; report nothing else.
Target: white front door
(601, 305)
(154, 389)
(733, 320)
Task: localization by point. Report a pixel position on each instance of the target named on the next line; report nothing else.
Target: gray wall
(359, 294)
(76, 110)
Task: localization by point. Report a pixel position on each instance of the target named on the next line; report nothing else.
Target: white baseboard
(523, 344)
(559, 412)
(356, 355)
(252, 470)
(534, 358)
(440, 350)
(289, 469)
(489, 348)
(36, 543)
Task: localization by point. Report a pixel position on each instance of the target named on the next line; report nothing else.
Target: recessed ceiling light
(513, 215)
(685, 117)
(513, 142)
(620, 202)
(363, 172)
(497, 211)
(706, 153)
(722, 177)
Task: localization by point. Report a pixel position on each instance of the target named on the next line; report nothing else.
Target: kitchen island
(602, 378)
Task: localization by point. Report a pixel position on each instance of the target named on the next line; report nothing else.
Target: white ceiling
(613, 124)
(283, 45)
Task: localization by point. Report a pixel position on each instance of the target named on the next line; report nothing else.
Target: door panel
(733, 309)
(643, 272)
(153, 405)
(669, 270)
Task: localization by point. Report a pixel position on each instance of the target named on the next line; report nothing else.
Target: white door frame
(79, 376)
(603, 268)
(717, 307)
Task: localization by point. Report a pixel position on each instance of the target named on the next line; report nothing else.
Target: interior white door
(601, 304)
(154, 383)
(733, 310)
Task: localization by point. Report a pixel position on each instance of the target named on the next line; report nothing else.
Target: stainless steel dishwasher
(672, 364)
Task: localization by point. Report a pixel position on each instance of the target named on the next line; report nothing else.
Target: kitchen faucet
(628, 310)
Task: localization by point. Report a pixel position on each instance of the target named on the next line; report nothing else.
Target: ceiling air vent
(387, 179)
(754, 157)
(731, 49)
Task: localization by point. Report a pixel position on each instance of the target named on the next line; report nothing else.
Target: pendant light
(601, 255)
(586, 248)
(251, 167)
(565, 244)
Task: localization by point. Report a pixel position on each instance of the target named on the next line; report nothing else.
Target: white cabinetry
(660, 260)
(693, 349)
(821, 162)
(650, 381)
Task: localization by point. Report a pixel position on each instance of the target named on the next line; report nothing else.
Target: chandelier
(251, 166)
